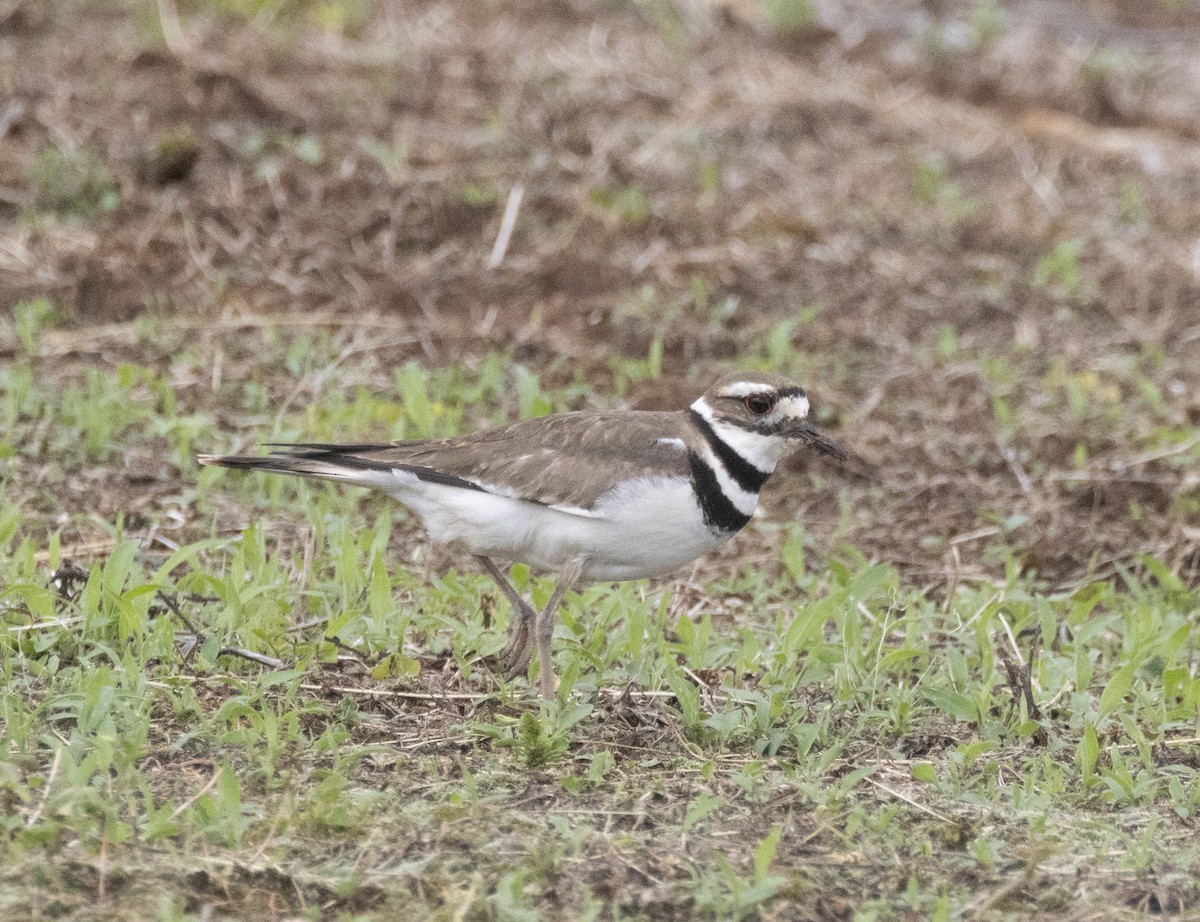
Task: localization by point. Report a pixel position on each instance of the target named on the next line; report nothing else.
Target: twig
(352, 654)
(648, 694)
(1158, 454)
(218, 369)
(305, 625)
(84, 550)
(310, 541)
(1014, 464)
(102, 870)
(952, 588)
(507, 223)
(1166, 744)
(178, 812)
(637, 869)
(1011, 638)
(10, 116)
(987, 531)
(168, 20)
(388, 693)
(276, 822)
(37, 812)
(1020, 683)
(912, 803)
(174, 608)
(260, 658)
(1117, 476)
(39, 625)
(317, 381)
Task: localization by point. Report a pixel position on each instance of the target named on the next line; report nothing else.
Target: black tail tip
(234, 461)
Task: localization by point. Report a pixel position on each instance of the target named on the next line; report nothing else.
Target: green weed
(1059, 270)
(933, 186)
(628, 204)
(71, 184)
(308, 688)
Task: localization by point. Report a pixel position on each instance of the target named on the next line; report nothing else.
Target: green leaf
(117, 567)
(923, 771)
(1088, 751)
(89, 600)
(868, 582)
(700, 806)
(186, 553)
(1161, 572)
(850, 782)
(379, 598)
(1114, 693)
(956, 705)
(395, 666)
(688, 697)
(764, 853)
(897, 657)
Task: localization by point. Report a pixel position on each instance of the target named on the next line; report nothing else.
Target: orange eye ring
(759, 404)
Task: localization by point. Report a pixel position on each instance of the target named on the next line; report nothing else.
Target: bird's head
(764, 417)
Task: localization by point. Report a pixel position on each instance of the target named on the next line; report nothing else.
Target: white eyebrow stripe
(674, 443)
(745, 389)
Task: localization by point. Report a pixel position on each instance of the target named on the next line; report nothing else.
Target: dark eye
(759, 404)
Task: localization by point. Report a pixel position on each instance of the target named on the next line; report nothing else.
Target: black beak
(813, 437)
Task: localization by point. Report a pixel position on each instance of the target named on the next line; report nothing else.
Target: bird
(589, 496)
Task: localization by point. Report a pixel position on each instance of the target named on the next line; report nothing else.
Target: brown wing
(568, 460)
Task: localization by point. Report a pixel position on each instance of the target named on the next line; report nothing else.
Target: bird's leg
(545, 627)
(514, 658)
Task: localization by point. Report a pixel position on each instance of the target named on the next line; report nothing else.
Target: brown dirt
(253, 167)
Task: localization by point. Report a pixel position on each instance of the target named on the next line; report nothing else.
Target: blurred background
(971, 229)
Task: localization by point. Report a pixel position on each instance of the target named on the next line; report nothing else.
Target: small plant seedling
(30, 318)
(932, 185)
(790, 17)
(71, 184)
(1059, 270)
(628, 204)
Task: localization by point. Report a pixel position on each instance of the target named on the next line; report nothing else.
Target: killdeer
(589, 496)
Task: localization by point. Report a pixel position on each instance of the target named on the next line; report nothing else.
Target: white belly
(647, 527)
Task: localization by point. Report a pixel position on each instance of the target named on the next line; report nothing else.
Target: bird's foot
(514, 659)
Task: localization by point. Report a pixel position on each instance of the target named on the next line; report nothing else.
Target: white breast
(645, 527)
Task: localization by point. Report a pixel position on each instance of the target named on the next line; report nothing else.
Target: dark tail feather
(300, 465)
(331, 462)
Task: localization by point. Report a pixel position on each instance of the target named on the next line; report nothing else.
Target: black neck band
(744, 474)
(720, 514)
